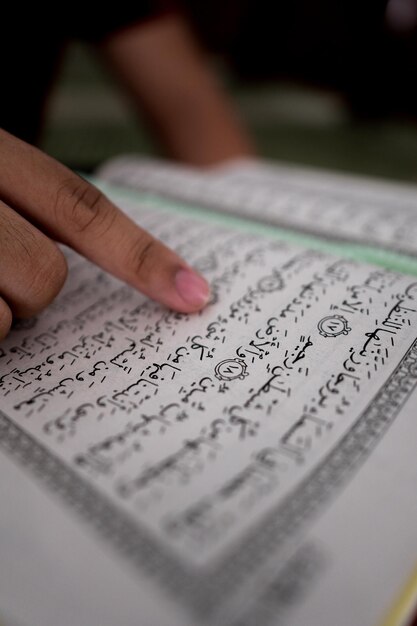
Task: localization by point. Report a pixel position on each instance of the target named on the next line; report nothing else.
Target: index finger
(73, 211)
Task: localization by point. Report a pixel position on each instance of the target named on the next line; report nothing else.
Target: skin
(161, 67)
(42, 202)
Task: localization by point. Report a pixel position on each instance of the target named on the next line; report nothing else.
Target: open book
(251, 464)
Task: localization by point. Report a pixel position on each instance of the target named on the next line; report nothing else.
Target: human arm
(162, 68)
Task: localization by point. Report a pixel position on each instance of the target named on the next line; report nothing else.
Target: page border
(205, 591)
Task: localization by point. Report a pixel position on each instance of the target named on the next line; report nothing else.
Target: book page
(201, 450)
(331, 206)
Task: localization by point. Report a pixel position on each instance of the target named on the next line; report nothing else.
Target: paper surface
(335, 207)
(203, 450)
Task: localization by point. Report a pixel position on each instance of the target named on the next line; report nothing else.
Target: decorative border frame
(205, 591)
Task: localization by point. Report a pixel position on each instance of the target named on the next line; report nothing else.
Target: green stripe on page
(388, 259)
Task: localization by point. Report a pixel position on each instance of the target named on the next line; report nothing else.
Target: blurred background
(323, 83)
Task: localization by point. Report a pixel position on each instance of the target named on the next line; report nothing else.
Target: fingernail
(192, 288)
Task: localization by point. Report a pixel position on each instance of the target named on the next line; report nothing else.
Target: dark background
(325, 83)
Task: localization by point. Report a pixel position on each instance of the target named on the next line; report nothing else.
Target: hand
(41, 201)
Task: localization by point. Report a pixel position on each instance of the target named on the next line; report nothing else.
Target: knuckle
(37, 269)
(48, 274)
(142, 257)
(5, 319)
(82, 206)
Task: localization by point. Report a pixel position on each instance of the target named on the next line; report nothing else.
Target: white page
(332, 206)
(201, 452)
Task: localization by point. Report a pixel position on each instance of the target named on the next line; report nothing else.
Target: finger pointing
(74, 212)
